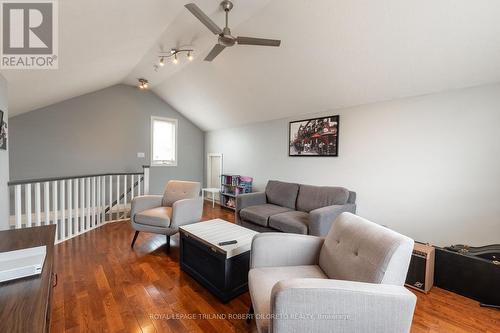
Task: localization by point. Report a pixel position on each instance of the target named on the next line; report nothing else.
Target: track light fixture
(143, 84)
(173, 54)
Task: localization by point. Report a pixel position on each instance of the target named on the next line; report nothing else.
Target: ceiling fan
(225, 37)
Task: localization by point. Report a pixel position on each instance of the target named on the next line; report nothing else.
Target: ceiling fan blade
(200, 15)
(258, 41)
(214, 52)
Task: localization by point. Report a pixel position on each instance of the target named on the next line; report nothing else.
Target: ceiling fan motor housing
(226, 5)
(225, 38)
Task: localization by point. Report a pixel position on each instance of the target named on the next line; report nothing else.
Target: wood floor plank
(144, 321)
(70, 306)
(105, 286)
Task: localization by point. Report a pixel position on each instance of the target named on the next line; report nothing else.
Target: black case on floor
(469, 276)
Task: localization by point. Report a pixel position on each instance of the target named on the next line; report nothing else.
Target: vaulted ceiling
(334, 53)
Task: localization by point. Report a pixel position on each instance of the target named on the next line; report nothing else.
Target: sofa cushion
(262, 280)
(295, 222)
(157, 217)
(281, 193)
(260, 214)
(313, 197)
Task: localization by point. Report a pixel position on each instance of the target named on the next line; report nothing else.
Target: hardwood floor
(104, 286)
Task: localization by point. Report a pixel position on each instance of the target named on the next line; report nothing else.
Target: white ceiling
(99, 44)
(334, 53)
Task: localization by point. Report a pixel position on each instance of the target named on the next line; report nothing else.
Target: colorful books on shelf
(233, 185)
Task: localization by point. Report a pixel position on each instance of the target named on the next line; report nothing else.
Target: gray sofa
(294, 208)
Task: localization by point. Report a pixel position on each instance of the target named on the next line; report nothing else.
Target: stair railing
(75, 204)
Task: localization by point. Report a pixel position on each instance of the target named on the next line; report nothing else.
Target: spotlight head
(143, 83)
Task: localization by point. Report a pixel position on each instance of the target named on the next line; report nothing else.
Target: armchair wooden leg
(133, 240)
(168, 243)
(250, 314)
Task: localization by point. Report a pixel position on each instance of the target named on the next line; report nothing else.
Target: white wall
(428, 167)
(4, 162)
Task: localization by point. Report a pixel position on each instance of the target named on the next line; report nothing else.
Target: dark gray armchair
(163, 214)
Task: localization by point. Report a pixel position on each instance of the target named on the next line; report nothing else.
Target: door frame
(209, 165)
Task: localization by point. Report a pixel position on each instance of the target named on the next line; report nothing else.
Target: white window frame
(164, 163)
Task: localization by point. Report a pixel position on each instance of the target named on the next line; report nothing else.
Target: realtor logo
(29, 34)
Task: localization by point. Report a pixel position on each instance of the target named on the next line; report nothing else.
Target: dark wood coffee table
(223, 270)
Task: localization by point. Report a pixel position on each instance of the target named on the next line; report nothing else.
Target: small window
(163, 141)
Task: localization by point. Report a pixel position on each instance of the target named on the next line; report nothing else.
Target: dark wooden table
(25, 303)
(223, 270)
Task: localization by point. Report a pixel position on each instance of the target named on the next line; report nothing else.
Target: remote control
(228, 242)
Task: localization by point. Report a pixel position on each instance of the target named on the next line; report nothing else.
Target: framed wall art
(314, 137)
(3, 132)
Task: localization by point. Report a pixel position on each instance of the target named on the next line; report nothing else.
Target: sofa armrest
(247, 200)
(279, 249)
(321, 219)
(186, 211)
(322, 305)
(250, 199)
(144, 202)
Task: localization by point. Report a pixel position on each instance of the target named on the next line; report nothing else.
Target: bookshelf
(231, 186)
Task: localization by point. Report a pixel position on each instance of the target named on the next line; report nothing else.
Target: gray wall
(428, 167)
(4, 162)
(100, 132)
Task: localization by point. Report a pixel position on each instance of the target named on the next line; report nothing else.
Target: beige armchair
(350, 281)
(180, 204)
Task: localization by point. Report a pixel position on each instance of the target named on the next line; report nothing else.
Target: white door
(214, 172)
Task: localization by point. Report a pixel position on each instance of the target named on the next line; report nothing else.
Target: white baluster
(98, 202)
(62, 224)
(18, 207)
(27, 204)
(125, 195)
(139, 186)
(46, 202)
(82, 205)
(71, 231)
(110, 213)
(117, 197)
(54, 205)
(132, 188)
(76, 230)
(146, 180)
(92, 218)
(103, 199)
(87, 203)
(38, 217)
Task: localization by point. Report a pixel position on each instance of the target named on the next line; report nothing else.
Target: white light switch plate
(140, 155)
